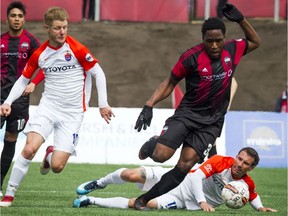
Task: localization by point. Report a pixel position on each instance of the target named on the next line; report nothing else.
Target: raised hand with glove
(232, 13)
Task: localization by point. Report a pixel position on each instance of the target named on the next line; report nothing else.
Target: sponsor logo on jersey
(228, 61)
(25, 46)
(2, 46)
(68, 55)
(62, 68)
(89, 58)
(208, 168)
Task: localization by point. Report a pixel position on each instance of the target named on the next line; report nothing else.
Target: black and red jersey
(207, 81)
(15, 52)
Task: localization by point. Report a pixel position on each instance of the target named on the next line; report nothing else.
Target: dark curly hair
(252, 153)
(213, 23)
(16, 4)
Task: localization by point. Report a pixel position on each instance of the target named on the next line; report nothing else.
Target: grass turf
(53, 194)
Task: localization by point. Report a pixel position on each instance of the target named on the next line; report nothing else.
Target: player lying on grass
(201, 189)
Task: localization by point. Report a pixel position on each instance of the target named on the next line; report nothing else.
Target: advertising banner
(266, 132)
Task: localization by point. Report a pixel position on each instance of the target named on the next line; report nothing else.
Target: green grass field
(53, 194)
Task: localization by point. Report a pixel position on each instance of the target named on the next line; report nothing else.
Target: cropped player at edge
(65, 62)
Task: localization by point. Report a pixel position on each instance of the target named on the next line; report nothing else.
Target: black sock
(6, 158)
(213, 151)
(168, 181)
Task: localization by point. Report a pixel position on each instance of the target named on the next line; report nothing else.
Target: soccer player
(17, 46)
(208, 69)
(201, 188)
(65, 62)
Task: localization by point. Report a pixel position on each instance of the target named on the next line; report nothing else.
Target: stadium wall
(119, 143)
(149, 10)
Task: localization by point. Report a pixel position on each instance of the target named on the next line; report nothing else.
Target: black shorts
(18, 117)
(175, 133)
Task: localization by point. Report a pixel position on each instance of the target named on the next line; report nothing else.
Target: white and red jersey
(64, 68)
(207, 182)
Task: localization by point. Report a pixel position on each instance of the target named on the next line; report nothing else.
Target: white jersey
(64, 70)
(206, 184)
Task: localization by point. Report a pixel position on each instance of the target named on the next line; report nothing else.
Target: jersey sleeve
(81, 52)
(32, 65)
(241, 48)
(216, 164)
(39, 77)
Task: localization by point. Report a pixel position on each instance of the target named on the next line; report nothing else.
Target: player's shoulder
(4, 35)
(74, 43)
(192, 51)
(29, 34)
(222, 161)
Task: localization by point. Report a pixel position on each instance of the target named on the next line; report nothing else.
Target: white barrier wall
(114, 143)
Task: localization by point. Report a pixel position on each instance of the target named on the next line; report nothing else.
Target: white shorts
(66, 127)
(181, 197)
(153, 175)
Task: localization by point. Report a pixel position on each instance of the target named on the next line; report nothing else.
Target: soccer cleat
(82, 201)
(88, 187)
(140, 204)
(6, 201)
(143, 152)
(45, 166)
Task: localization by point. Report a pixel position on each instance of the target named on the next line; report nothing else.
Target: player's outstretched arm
(234, 15)
(206, 207)
(264, 209)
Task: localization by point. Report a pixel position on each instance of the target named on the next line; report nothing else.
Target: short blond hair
(55, 13)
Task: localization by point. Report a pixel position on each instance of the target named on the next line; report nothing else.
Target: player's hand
(206, 207)
(29, 89)
(5, 109)
(232, 13)
(144, 118)
(106, 113)
(263, 209)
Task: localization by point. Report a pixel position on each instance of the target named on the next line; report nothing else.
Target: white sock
(115, 202)
(49, 158)
(112, 178)
(19, 171)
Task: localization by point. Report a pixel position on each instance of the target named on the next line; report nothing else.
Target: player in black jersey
(17, 45)
(208, 69)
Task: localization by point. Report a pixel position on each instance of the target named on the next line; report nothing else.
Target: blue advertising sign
(266, 132)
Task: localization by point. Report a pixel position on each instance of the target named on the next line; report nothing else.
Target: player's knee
(126, 175)
(160, 158)
(57, 168)
(28, 152)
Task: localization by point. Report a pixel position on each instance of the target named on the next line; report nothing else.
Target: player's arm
(163, 91)
(233, 90)
(105, 109)
(234, 15)
(258, 206)
(14, 94)
(31, 86)
(197, 188)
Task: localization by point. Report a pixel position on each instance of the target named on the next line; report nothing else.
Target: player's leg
(172, 138)
(15, 123)
(111, 178)
(66, 137)
(21, 166)
(114, 202)
(167, 201)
